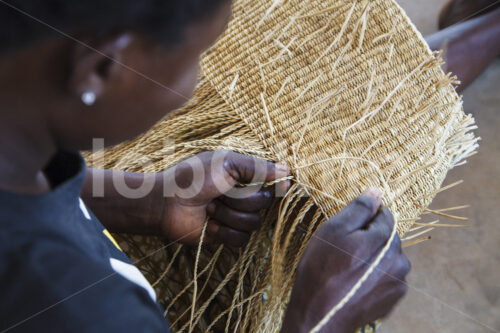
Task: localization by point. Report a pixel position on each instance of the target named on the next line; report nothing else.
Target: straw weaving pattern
(348, 95)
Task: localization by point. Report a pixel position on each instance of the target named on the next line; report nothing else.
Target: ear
(92, 66)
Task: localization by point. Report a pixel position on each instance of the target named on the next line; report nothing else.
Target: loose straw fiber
(348, 94)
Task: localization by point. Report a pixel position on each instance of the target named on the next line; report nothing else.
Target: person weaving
(72, 72)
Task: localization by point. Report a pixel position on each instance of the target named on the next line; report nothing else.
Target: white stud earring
(88, 98)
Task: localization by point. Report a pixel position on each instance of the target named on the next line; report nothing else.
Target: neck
(21, 163)
(26, 144)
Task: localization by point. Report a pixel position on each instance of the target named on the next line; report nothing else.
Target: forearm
(469, 47)
(140, 213)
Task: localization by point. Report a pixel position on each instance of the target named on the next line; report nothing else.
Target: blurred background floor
(454, 285)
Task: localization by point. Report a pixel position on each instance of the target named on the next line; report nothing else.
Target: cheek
(175, 95)
(135, 108)
(162, 100)
(187, 84)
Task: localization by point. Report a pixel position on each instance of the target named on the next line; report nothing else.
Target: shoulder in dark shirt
(60, 270)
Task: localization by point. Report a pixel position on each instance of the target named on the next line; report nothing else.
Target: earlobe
(88, 98)
(91, 67)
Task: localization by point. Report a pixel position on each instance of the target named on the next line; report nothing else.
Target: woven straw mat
(349, 95)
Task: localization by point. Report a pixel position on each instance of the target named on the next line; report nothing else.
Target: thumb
(247, 169)
(239, 168)
(358, 213)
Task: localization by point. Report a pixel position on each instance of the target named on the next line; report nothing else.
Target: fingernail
(282, 170)
(212, 228)
(211, 208)
(282, 188)
(376, 194)
(373, 192)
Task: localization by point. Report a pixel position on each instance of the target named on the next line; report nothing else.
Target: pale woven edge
(417, 33)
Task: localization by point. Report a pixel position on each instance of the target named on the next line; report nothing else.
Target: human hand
(204, 186)
(336, 258)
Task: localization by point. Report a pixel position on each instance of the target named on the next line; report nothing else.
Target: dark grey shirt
(60, 270)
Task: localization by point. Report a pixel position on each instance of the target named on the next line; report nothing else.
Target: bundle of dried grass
(347, 93)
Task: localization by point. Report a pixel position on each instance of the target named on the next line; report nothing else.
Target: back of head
(27, 21)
